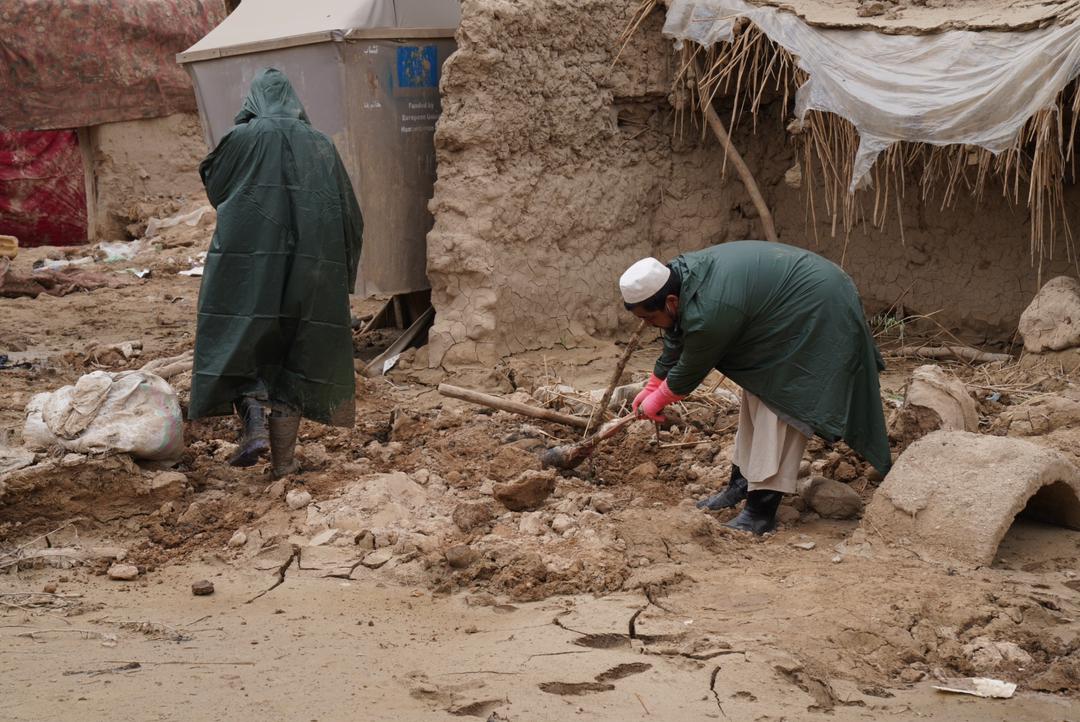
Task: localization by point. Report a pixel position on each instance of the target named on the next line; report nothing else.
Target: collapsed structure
(97, 113)
(559, 165)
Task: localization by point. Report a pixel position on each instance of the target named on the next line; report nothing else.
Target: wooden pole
(514, 407)
(630, 346)
(741, 168)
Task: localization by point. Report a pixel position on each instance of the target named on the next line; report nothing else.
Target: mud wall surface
(141, 161)
(558, 169)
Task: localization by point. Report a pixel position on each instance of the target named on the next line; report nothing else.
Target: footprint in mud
(481, 708)
(607, 640)
(619, 671)
(575, 688)
(622, 671)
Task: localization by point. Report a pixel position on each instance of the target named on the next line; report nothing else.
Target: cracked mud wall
(554, 169)
(557, 170)
(141, 161)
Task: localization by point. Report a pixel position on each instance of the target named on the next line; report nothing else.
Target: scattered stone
(561, 523)
(460, 556)
(793, 177)
(805, 546)
(831, 499)
(365, 540)
(469, 515)
(787, 515)
(123, 572)
(49, 588)
(297, 499)
(601, 504)
(532, 524)
(528, 491)
(276, 490)
(987, 655)
(487, 487)
(836, 559)
(912, 675)
(324, 537)
(1052, 321)
(804, 468)
(845, 472)
(167, 478)
(202, 588)
(314, 456)
(647, 471)
(238, 539)
(871, 9)
(377, 558)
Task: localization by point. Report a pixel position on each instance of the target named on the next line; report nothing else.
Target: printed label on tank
(418, 66)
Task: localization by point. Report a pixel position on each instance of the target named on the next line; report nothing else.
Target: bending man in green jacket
(273, 319)
(788, 327)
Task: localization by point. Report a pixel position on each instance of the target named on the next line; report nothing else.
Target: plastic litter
(978, 687)
(129, 412)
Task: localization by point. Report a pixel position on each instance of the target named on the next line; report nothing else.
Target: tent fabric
(42, 189)
(273, 314)
(73, 63)
(957, 87)
(256, 21)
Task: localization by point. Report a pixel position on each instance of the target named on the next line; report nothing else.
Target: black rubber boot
(759, 514)
(255, 439)
(729, 496)
(283, 430)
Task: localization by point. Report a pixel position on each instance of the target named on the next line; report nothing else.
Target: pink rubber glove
(652, 406)
(651, 385)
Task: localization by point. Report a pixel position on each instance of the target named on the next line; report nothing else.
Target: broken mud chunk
(460, 556)
(238, 539)
(297, 499)
(469, 515)
(123, 572)
(527, 491)
(202, 588)
(831, 499)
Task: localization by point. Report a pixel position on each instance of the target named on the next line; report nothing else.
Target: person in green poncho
(273, 325)
(786, 325)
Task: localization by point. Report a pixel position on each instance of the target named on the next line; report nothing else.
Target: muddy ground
(402, 588)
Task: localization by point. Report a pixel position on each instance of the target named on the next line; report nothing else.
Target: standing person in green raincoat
(788, 327)
(273, 317)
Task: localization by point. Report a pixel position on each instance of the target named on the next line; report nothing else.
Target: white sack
(130, 412)
(973, 88)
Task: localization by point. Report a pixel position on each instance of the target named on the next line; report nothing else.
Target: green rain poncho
(786, 325)
(273, 315)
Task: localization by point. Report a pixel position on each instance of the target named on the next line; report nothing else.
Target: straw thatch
(1034, 170)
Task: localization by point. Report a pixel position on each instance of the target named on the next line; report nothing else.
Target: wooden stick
(514, 407)
(960, 353)
(606, 399)
(741, 168)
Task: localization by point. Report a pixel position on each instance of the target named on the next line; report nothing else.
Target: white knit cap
(643, 279)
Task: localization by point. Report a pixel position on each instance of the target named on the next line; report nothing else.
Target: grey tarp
(274, 306)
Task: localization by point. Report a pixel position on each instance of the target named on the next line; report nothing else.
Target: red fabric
(42, 188)
(73, 63)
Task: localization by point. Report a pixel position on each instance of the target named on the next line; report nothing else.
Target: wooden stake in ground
(741, 168)
(606, 399)
(514, 407)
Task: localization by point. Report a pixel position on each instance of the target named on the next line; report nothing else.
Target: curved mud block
(953, 495)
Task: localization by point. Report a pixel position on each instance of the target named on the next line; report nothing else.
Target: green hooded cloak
(786, 325)
(273, 314)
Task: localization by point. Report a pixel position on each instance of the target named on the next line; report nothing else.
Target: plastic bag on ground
(129, 412)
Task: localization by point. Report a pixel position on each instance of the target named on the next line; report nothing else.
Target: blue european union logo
(418, 66)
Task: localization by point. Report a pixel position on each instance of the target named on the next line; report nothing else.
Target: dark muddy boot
(283, 445)
(729, 496)
(255, 439)
(759, 515)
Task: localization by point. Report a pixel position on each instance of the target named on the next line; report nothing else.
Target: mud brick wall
(558, 169)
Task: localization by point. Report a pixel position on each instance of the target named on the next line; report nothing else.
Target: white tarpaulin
(973, 88)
